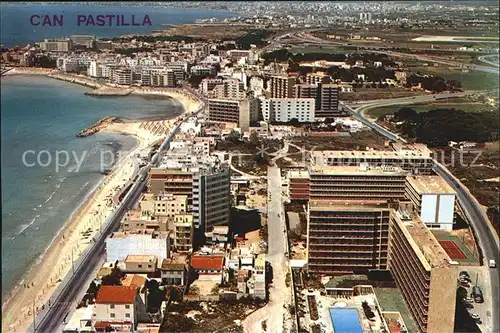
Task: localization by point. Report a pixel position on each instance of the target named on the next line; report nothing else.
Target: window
(127, 306)
(111, 306)
(112, 315)
(127, 315)
(140, 266)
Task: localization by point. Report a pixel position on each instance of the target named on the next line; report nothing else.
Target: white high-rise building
(286, 109)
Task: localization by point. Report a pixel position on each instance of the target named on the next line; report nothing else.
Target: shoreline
(17, 306)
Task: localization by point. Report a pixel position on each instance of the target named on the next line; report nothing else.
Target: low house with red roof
(208, 267)
(118, 304)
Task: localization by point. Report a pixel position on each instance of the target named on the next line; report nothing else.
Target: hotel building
(433, 200)
(423, 272)
(286, 109)
(347, 237)
(415, 161)
(281, 86)
(240, 112)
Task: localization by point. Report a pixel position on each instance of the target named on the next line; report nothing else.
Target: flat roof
(427, 247)
(360, 154)
(430, 184)
(303, 174)
(349, 205)
(356, 170)
(140, 258)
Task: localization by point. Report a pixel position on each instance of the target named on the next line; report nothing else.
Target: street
(279, 293)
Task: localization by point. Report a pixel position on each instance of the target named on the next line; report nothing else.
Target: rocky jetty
(100, 125)
(109, 91)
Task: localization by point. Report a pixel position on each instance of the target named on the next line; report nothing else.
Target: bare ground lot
(202, 317)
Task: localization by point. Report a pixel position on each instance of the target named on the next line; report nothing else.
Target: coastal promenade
(51, 317)
(35, 294)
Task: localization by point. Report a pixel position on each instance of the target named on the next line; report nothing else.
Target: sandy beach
(42, 279)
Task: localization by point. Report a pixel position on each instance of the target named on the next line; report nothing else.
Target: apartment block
(164, 204)
(364, 183)
(56, 45)
(433, 200)
(286, 109)
(414, 161)
(211, 196)
(281, 86)
(174, 181)
(347, 237)
(423, 272)
(183, 232)
(229, 89)
(208, 84)
(241, 112)
(329, 101)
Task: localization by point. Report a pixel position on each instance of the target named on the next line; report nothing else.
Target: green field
(423, 107)
(473, 80)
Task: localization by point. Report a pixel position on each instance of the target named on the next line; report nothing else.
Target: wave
(84, 186)
(50, 197)
(26, 226)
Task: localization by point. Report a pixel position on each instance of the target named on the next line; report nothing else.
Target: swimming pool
(345, 320)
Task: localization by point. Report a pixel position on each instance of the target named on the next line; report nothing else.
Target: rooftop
(369, 154)
(173, 264)
(295, 174)
(116, 295)
(199, 262)
(133, 280)
(356, 170)
(425, 244)
(430, 184)
(350, 205)
(140, 258)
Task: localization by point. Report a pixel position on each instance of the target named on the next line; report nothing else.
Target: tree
(254, 139)
(234, 136)
(215, 289)
(114, 278)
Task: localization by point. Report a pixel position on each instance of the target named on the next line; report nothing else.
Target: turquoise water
(345, 320)
(44, 114)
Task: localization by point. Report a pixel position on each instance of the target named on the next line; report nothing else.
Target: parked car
(468, 300)
(493, 263)
(474, 316)
(477, 294)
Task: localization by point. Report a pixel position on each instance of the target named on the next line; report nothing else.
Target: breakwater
(109, 91)
(100, 125)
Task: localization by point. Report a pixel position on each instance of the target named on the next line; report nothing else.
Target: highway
(481, 226)
(51, 318)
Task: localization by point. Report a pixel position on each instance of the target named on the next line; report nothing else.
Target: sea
(16, 28)
(40, 117)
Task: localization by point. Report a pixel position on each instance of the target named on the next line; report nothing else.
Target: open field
(470, 80)
(366, 94)
(452, 104)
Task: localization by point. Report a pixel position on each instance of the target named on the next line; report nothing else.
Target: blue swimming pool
(345, 320)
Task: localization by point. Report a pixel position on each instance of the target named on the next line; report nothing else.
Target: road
(279, 293)
(486, 60)
(481, 226)
(50, 319)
